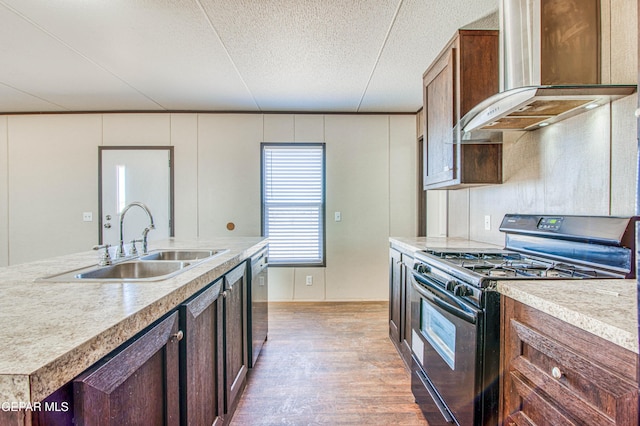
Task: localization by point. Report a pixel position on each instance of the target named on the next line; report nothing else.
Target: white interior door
(129, 175)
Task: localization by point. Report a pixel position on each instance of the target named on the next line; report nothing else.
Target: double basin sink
(155, 266)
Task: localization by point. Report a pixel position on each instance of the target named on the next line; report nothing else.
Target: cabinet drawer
(591, 393)
(553, 373)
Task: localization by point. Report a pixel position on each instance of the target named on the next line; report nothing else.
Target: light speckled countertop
(411, 244)
(606, 308)
(53, 331)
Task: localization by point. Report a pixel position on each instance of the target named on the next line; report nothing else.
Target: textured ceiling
(222, 55)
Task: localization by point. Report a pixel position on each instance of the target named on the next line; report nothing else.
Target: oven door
(445, 345)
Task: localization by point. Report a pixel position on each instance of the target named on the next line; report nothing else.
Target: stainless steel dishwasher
(259, 305)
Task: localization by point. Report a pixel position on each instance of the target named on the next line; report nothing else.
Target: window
(293, 180)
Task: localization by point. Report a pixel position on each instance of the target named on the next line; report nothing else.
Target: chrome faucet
(146, 230)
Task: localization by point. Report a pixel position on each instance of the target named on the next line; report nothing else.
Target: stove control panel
(550, 223)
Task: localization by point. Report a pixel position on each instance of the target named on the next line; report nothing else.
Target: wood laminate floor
(328, 363)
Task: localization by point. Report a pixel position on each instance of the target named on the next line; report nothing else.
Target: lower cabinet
(201, 372)
(557, 374)
(400, 302)
(235, 335)
(136, 386)
(189, 368)
(395, 295)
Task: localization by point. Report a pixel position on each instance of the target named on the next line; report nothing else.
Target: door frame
(171, 182)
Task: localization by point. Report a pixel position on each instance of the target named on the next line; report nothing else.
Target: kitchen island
(53, 331)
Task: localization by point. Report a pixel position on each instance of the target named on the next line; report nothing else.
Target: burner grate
(505, 264)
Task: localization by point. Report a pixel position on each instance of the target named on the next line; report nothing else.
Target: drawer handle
(178, 336)
(556, 373)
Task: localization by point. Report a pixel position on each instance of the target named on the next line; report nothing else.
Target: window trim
(323, 207)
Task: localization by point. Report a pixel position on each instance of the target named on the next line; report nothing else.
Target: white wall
(51, 162)
(52, 179)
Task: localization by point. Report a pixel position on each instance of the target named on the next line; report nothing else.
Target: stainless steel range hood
(529, 108)
(550, 66)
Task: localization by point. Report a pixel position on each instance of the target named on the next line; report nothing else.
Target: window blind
(293, 202)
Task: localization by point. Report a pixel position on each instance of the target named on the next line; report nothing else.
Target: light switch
(87, 217)
(487, 223)
(337, 216)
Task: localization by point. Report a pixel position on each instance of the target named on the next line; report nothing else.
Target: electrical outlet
(487, 223)
(309, 279)
(87, 217)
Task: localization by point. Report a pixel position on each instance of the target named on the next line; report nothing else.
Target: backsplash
(585, 165)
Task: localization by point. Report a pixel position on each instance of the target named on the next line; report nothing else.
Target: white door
(129, 175)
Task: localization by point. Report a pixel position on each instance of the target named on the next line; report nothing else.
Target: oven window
(439, 331)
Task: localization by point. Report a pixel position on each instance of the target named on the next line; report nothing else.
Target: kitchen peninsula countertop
(606, 308)
(53, 331)
(411, 244)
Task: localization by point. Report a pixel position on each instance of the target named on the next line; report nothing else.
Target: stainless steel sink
(154, 266)
(185, 255)
(134, 270)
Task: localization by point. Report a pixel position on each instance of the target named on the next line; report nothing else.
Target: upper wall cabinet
(464, 74)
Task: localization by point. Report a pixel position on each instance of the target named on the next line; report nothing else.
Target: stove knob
(422, 269)
(462, 290)
(451, 285)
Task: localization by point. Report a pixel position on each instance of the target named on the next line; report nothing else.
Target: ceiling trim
(210, 112)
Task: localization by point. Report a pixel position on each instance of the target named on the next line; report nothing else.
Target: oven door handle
(430, 291)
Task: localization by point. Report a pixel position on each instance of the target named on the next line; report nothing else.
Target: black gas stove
(544, 247)
(455, 310)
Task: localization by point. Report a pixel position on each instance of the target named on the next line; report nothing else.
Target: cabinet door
(464, 74)
(201, 378)
(395, 295)
(557, 374)
(407, 263)
(136, 386)
(440, 117)
(235, 335)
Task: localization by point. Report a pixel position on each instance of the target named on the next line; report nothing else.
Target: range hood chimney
(551, 68)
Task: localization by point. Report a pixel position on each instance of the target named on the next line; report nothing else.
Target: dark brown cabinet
(464, 74)
(400, 302)
(138, 385)
(557, 374)
(395, 295)
(235, 335)
(201, 377)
